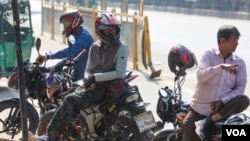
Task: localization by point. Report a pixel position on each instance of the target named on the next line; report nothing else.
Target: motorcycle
(36, 77)
(35, 80)
(172, 109)
(119, 117)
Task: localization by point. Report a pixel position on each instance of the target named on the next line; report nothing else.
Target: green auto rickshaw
(8, 59)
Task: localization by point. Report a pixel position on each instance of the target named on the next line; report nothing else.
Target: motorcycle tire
(10, 118)
(67, 134)
(163, 135)
(44, 121)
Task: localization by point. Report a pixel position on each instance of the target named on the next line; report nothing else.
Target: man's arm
(206, 69)
(121, 66)
(240, 83)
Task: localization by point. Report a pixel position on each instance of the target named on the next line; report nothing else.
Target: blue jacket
(82, 41)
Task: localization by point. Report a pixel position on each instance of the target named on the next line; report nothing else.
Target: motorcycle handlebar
(78, 56)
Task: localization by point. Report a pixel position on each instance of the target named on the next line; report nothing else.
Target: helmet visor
(64, 25)
(109, 30)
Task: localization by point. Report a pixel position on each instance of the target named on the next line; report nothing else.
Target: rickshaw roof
(6, 4)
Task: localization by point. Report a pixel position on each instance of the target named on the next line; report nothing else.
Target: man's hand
(89, 83)
(41, 58)
(216, 105)
(230, 68)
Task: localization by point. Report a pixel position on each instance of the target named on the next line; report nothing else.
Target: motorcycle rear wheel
(10, 118)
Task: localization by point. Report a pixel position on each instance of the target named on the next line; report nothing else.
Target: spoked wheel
(10, 118)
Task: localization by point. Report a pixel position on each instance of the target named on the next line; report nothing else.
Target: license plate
(145, 121)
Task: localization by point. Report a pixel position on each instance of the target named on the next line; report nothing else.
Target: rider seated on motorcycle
(107, 61)
(70, 23)
(220, 89)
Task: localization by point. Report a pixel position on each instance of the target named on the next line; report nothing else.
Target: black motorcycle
(36, 78)
(120, 117)
(172, 109)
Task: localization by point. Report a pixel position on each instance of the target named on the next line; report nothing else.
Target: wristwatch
(48, 56)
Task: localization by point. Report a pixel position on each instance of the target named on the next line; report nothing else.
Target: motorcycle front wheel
(171, 134)
(10, 118)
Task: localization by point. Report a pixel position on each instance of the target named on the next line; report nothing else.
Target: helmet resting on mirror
(180, 58)
(105, 22)
(69, 20)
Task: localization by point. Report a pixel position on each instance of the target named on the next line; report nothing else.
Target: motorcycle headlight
(132, 97)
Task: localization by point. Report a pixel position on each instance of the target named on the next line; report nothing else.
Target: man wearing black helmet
(107, 61)
(70, 24)
(220, 88)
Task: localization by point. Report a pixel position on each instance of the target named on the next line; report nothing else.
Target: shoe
(200, 129)
(32, 137)
(201, 126)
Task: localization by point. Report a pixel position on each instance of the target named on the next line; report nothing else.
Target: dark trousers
(234, 106)
(71, 105)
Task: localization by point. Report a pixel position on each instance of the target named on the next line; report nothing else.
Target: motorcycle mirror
(71, 40)
(38, 44)
(163, 93)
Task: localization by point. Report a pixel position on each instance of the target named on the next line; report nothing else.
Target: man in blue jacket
(70, 22)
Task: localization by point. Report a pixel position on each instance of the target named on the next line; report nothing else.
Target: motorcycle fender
(7, 93)
(133, 108)
(16, 100)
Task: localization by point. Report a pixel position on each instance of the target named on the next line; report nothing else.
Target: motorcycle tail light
(13, 81)
(132, 97)
(78, 129)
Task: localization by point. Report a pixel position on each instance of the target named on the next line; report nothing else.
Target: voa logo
(236, 132)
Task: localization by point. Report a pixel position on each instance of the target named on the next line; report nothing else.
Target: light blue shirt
(213, 83)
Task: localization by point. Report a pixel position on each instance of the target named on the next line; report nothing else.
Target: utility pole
(22, 101)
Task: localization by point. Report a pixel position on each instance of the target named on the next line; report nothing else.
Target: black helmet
(105, 21)
(181, 57)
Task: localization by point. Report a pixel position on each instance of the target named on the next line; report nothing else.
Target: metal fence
(233, 9)
(134, 29)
